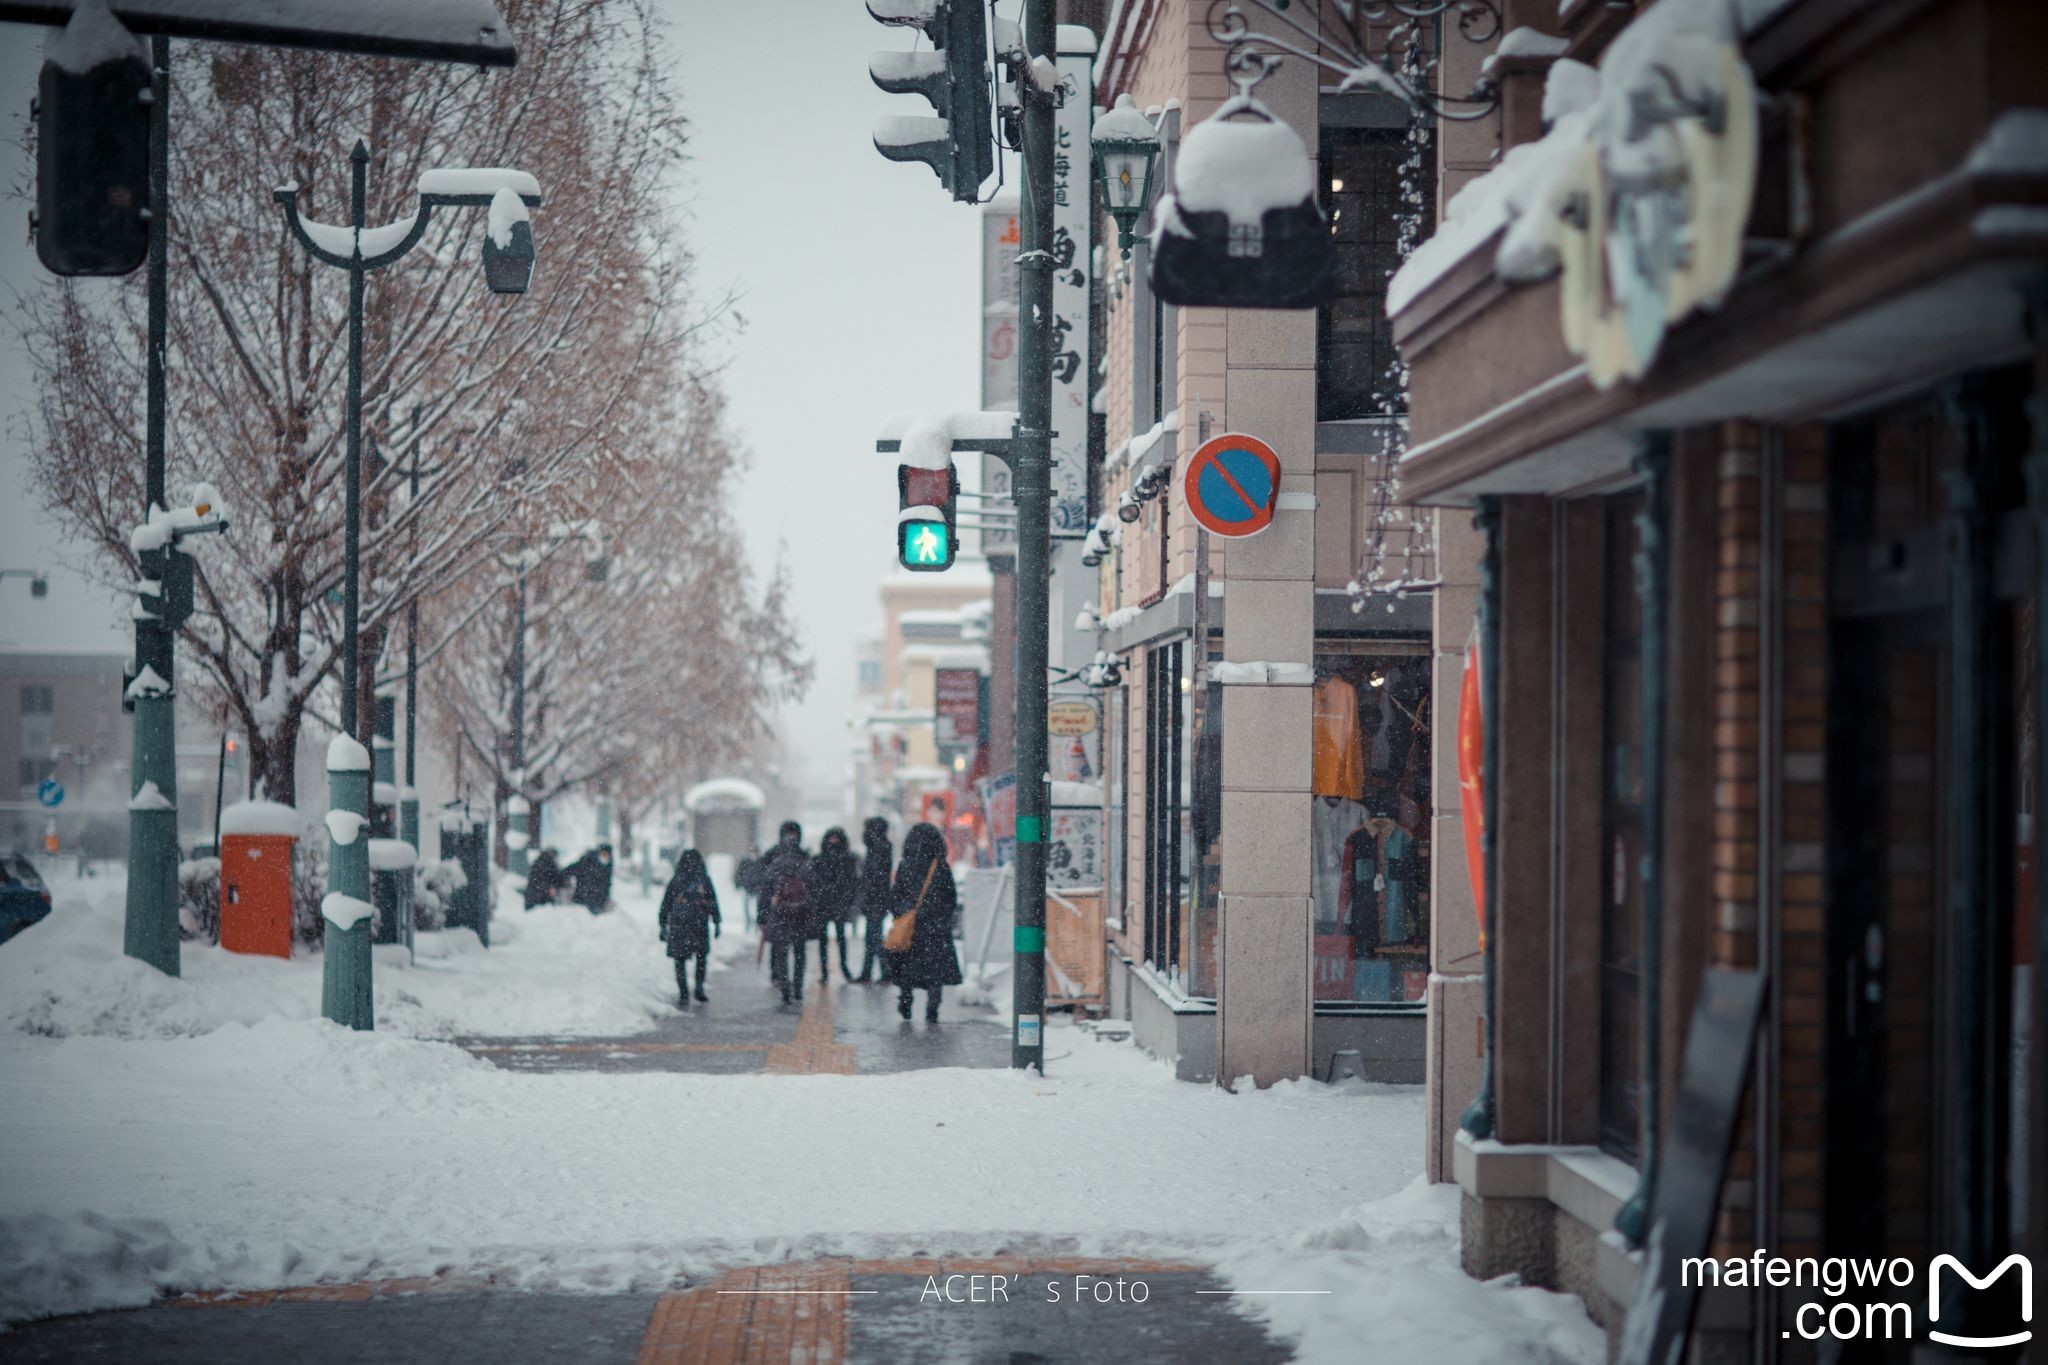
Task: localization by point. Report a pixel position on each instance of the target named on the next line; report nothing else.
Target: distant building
(64, 723)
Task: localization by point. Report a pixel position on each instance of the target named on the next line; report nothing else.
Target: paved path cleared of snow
(252, 1146)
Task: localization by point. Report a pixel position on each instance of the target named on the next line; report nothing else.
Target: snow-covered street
(214, 1133)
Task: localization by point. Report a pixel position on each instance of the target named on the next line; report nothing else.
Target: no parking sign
(1233, 485)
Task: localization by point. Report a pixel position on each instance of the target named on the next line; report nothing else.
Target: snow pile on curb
(556, 970)
(1403, 1250)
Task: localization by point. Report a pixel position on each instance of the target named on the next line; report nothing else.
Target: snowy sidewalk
(169, 1135)
(841, 1029)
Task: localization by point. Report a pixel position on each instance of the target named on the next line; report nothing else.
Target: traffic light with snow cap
(92, 112)
(958, 143)
(927, 538)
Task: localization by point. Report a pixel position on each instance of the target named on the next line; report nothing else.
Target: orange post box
(256, 842)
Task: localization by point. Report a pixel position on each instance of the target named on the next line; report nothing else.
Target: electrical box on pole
(93, 108)
(958, 143)
(927, 538)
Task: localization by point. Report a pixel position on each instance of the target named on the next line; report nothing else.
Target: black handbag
(1205, 259)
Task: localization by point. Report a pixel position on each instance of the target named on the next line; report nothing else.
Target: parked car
(24, 900)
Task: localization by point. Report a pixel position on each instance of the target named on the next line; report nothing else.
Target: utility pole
(150, 933)
(1032, 472)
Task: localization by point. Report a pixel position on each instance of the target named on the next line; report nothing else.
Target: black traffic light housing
(92, 148)
(927, 544)
(954, 77)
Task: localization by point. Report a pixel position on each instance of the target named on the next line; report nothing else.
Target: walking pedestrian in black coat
(543, 879)
(838, 875)
(592, 874)
(924, 887)
(789, 910)
(875, 898)
(689, 921)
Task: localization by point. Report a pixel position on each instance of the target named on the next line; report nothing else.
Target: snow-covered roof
(724, 791)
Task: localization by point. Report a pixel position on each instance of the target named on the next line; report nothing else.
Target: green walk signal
(925, 519)
(924, 546)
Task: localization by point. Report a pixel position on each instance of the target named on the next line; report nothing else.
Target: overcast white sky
(861, 294)
(858, 283)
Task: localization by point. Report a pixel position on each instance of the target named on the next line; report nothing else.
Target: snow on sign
(470, 32)
(50, 794)
(1233, 485)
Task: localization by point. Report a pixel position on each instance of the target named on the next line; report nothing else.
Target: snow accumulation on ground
(213, 1132)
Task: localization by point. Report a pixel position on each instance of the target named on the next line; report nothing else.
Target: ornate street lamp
(1126, 145)
(359, 249)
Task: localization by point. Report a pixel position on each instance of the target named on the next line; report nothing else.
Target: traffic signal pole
(1031, 467)
(150, 932)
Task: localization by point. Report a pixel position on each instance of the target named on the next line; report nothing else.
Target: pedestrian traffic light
(92, 147)
(958, 144)
(927, 540)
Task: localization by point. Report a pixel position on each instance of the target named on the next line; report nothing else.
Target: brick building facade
(1766, 668)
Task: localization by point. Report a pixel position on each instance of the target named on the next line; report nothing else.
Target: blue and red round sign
(1233, 485)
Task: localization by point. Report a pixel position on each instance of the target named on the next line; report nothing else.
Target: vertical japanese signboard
(1001, 238)
(1072, 243)
(957, 706)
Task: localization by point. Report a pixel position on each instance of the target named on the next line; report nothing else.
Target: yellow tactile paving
(814, 1050)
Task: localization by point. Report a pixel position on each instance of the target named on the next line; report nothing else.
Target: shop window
(1205, 833)
(1166, 842)
(1362, 191)
(1621, 804)
(1369, 824)
(1116, 722)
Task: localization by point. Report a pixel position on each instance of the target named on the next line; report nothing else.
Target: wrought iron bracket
(1344, 48)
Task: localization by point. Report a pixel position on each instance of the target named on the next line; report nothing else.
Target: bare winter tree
(662, 666)
(518, 405)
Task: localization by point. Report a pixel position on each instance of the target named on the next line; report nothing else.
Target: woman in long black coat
(689, 920)
(838, 873)
(924, 883)
(876, 898)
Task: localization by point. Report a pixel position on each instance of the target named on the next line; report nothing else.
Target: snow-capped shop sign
(1233, 485)
(1242, 228)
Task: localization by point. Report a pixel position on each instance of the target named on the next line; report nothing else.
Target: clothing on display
(1339, 766)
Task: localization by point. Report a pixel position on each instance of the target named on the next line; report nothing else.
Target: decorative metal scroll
(1344, 42)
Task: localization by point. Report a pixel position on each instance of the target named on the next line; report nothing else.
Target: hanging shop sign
(956, 701)
(1232, 485)
(1070, 718)
(1072, 254)
(1241, 227)
(1654, 204)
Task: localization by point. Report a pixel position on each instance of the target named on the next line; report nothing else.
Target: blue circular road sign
(51, 793)
(1233, 485)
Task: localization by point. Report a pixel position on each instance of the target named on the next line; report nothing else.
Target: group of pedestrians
(588, 880)
(806, 898)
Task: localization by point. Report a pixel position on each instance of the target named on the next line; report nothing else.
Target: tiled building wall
(1802, 939)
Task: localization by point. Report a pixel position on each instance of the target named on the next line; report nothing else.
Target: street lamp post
(358, 249)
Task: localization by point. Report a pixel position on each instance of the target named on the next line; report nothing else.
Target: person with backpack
(874, 898)
(920, 942)
(838, 878)
(789, 910)
(689, 921)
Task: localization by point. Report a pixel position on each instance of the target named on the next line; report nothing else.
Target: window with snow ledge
(1364, 143)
